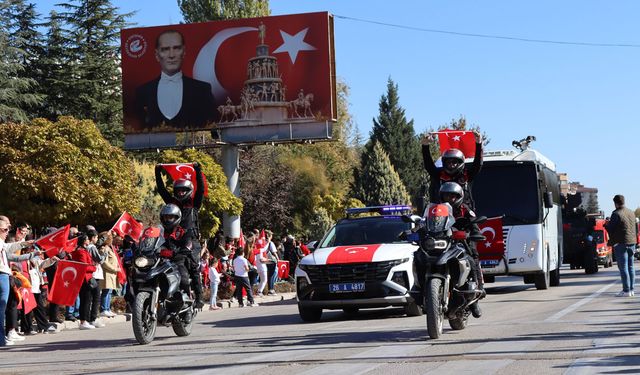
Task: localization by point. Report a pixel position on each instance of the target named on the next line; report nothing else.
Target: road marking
(555, 317)
(501, 348)
(470, 367)
(380, 352)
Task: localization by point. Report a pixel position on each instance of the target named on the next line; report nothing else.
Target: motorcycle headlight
(142, 262)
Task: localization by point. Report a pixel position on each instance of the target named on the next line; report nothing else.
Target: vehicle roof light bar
(390, 209)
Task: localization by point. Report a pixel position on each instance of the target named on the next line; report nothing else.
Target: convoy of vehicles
(522, 188)
(361, 262)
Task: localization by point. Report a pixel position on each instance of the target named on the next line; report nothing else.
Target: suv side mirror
(548, 199)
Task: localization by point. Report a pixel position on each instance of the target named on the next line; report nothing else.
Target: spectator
(110, 269)
(623, 235)
(89, 292)
(272, 262)
(261, 265)
(35, 265)
(214, 281)
(241, 271)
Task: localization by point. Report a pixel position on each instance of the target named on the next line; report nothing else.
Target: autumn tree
(216, 10)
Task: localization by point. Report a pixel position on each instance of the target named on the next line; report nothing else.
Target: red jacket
(82, 255)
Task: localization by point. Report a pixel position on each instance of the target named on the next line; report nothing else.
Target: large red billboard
(242, 73)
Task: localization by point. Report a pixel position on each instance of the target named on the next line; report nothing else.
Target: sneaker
(214, 308)
(70, 318)
(241, 306)
(98, 324)
(624, 294)
(254, 304)
(51, 329)
(86, 325)
(31, 333)
(632, 293)
(107, 314)
(8, 342)
(14, 336)
(272, 293)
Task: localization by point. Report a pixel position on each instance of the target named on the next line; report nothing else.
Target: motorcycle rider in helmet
(189, 203)
(452, 193)
(178, 241)
(453, 168)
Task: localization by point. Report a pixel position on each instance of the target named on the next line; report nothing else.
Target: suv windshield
(510, 190)
(365, 231)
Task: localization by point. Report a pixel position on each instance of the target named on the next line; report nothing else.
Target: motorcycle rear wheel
(433, 307)
(144, 326)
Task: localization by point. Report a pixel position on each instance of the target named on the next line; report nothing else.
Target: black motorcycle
(443, 267)
(156, 285)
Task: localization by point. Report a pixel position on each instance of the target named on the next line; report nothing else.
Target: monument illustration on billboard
(257, 80)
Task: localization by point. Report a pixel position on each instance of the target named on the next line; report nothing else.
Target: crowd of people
(236, 267)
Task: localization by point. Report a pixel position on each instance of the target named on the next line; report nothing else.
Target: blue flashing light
(391, 209)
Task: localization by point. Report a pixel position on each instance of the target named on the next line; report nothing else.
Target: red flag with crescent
(28, 300)
(493, 247)
(187, 172)
(241, 240)
(283, 269)
(126, 224)
(53, 242)
(462, 140)
(122, 273)
(71, 245)
(67, 282)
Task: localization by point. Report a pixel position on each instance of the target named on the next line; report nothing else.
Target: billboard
(255, 80)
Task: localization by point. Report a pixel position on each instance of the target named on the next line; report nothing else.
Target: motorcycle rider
(189, 203)
(452, 193)
(178, 240)
(453, 169)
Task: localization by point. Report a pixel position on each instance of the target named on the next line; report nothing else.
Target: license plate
(346, 287)
(489, 263)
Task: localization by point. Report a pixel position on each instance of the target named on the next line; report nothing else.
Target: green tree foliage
(397, 137)
(56, 173)
(377, 182)
(216, 10)
(92, 33)
(17, 86)
(220, 198)
(319, 224)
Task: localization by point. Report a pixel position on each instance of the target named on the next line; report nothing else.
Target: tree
(220, 199)
(17, 88)
(378, 183)
(591, 205)
(93, 39)
(216, 10)
(397, 137)
(62, 172)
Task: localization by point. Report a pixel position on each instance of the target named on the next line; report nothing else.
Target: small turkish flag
(126, 224)
(28, 300)
(464, 141)
(71, 245)
(122, 273)
(53, 242)
(493, 246)
(283, 269)
(67, 282)
(241, 240)
(186, 171)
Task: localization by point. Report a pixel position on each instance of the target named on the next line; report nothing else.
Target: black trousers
(89, 302)
(11, 314)
(39, 313)
(53, 308)
(188, 267)
(243, 283)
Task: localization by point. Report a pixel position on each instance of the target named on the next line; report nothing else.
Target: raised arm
(477, 159)
(199, 194)
(162, 189)
(427, 159)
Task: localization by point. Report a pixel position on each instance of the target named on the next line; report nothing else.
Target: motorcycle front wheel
(144, 325)
(433, 307)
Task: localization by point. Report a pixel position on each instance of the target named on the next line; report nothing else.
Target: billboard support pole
(230, 165)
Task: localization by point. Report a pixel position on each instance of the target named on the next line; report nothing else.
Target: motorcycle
(443, 268)
(156, 285)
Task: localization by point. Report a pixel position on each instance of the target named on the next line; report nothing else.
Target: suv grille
(345, 273)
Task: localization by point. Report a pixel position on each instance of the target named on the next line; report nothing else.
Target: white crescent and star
(354, 250)
(128, 230)
(493, 235)
(293, 44)
(52, 239)
(68, 269)
(187, 174)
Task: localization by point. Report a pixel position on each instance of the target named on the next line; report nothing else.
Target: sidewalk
(225, 304)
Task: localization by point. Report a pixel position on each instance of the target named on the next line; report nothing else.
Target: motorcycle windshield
(439, 217)
(149, 245)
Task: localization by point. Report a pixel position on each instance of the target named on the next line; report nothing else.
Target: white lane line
(380, 352)
(500, 348)
(555, 317)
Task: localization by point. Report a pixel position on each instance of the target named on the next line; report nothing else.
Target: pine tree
(93, 39)
(397, 137)
(377, 181)
(216, 10)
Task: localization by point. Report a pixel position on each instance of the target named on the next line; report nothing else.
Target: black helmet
(452, 193)
(182, 189)
(170, 216)
(456, 157)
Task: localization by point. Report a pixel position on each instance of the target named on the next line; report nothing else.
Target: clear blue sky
(581, 102)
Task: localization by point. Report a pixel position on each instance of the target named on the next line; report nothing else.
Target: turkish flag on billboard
(187, 172)
(283, 269)
(126, 224)
(53, 242)
(493, 246)
(67, 282)
(291, 52)
(464, 141)
(28, 300)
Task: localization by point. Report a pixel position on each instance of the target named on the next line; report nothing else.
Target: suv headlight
(303, 267)
(142, 262)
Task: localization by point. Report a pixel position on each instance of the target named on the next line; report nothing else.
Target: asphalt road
(576, 328)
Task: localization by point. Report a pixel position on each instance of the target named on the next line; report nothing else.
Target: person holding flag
(189, 202)
(453, 161)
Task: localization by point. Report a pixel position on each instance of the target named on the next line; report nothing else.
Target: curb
(227, 304)
(119, 318)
